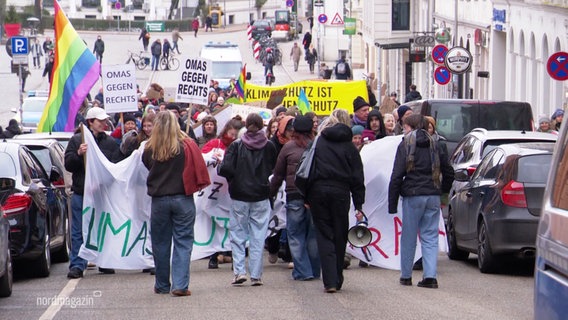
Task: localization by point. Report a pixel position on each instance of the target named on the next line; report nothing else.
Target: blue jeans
(172, 217)
(155, 62)
(76, 233)
(420, 216)
(248, 221)
(302, 241)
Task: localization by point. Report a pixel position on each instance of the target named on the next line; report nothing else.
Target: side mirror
(461, 175)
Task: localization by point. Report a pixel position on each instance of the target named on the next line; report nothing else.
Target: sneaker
(290, 265)
(256, 282)
(106, 270)
(330, 290)
(405, 281)
(430, 283)
(75, 273)
(240, 279)
(213, 263)
(272, 258)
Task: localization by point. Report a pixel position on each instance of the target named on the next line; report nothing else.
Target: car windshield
(225, 69)
(7, 167)
(34, 105)
(261, 23)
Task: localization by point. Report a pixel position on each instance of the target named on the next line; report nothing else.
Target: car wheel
(486, 261)
(7, 279)
(44, 261)
(62, 255)
(454, 253)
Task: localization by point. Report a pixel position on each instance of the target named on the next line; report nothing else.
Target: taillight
(470, 171)
(17, 203)
(513, 194)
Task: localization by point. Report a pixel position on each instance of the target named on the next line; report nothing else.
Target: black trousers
(330, 209)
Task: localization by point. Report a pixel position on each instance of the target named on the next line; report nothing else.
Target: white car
(30, 113)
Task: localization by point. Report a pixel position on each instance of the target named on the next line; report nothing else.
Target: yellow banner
(324, 96)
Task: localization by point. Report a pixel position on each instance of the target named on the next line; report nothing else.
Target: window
(401, 15)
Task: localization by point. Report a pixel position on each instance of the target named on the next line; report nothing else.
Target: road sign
(439, 53)
(289, 3)
(337, 20)
(442, 75)
(458, 60)
(19, 45)
(425, 41)
(20, 59)
(322, 18)
(318, 3)
(117, 5)
(557, 66)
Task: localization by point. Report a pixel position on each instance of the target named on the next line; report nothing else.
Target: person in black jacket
(156, 50)
(99, 48)
(247, 164)
(338, 172)
(421, 173)
(75, 163)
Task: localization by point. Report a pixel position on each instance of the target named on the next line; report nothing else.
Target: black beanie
(303, 124)
(359, 103)
(401, 111)
(280, 109)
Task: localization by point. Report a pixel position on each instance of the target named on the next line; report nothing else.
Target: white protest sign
(193, 81)
(119, 88)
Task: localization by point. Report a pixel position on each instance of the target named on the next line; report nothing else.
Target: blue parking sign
(19, 45)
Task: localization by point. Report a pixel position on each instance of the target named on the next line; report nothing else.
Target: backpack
(269, 58)
(341, 68)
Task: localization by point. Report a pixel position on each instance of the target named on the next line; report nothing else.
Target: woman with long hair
(132, 141)
(175, 165)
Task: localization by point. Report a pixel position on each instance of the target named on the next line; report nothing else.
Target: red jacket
(195, 24)
(195, 174)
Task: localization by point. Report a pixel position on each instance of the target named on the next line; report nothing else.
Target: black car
(496, 213)
(261, 27)
(6, 275)
(35, 209)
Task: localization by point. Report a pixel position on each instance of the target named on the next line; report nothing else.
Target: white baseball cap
(97, 113)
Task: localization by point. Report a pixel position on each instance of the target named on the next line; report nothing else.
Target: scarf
(410, 145)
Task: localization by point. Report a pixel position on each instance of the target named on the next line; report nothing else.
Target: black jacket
(156, 48)
(338, 163)
(247, 171)
(99, 46)
(75, 163)
(419, 181)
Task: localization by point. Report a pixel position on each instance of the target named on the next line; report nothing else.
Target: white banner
(119, 88)
(193, 80)
(384, 249)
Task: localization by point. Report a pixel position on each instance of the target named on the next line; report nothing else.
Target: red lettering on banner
(374, 243)
(397, 233)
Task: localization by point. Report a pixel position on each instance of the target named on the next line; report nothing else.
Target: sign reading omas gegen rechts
(119, 88)
(194, 77)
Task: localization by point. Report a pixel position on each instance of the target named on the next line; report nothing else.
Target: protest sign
(119, 88)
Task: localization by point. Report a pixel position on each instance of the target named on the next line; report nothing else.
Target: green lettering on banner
(142, 235)
(88, 243)
(107, 222)
(213, 228)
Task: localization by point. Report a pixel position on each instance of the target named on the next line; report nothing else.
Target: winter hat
(543, 119)
(359, 103)
(172, 106)
(280, 109)
(557, 113)
(402, 110)
(127, 118)
(357, 129)
(303, 124)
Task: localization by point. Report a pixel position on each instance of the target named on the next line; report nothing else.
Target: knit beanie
(402, 110)
(359, 103)
(357, 129)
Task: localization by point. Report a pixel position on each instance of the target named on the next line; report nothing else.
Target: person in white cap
(75, 163)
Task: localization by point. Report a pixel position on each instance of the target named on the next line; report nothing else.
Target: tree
(12, 16)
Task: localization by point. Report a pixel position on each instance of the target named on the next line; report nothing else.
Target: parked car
(496, 213)
(62, 137)
(262, 27)
(30, 113)
(35, 209)
(479, 142)
(6, 272)
(457, 117)
(551, 267)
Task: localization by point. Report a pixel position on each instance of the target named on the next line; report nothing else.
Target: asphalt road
(371, 293)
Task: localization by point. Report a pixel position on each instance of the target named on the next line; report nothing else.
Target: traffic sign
(318, 3)
(337, 19)
(322, 18)
(117, 5)
(458, 60)
(557, 66)
(19, 45)
(439, 53)
(20, 59)
(442, 75)
(289, 3)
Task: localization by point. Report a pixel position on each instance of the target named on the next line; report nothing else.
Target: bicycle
(169, 63)
(139, 61)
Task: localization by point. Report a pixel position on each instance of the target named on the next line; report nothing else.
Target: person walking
(48, 69)
(145, 37)
(307, 41)
(48, 48)
(37, 53)
(338, 172)
(208, 24)
(413, 94)
(421, 173)
(247, 165)
(176, 170)
(295, 55)
(24, 75)
(156, 53)
(195, 26)
(342, 69)
(75, 163)
(99, 49)
(299, 223)
(311, 57)
(166, 49)
(175, 38)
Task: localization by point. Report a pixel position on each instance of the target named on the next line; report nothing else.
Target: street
(372, 293)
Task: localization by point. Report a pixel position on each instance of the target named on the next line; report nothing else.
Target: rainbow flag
(303, 103)
(75, 71)
(241, 84)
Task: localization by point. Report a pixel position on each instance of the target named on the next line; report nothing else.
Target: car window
(42, 154)
(33, 168)
(489, 166)
(559, 184)
(453, 121)
(467, 150)
(509, 116)
(534, 168)
(7, 166)
(34, 105)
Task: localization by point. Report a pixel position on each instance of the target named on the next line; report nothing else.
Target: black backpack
(269, 58)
